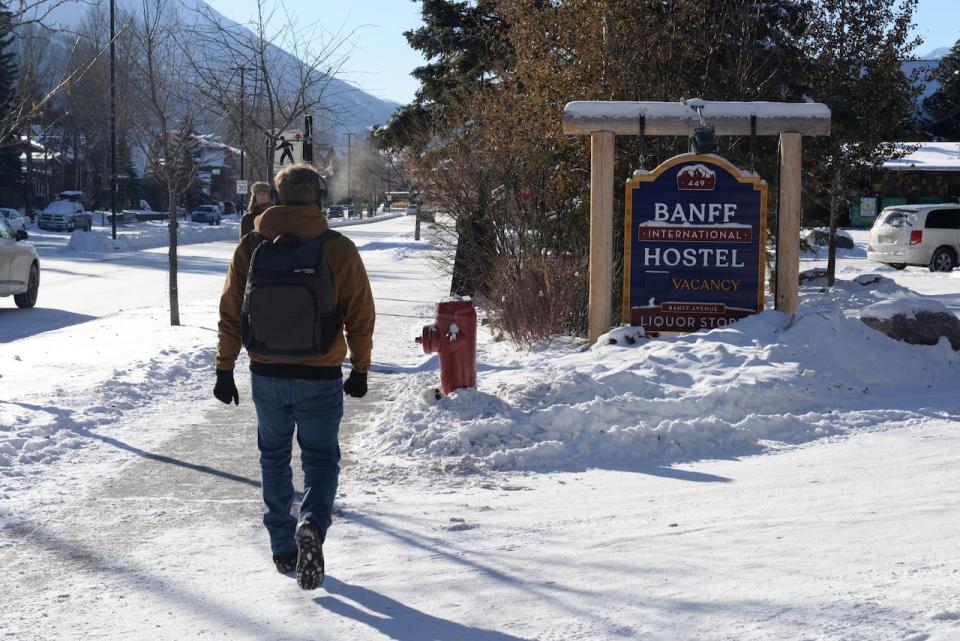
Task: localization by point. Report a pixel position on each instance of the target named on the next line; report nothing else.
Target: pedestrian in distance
(259, 202)
(296, 297)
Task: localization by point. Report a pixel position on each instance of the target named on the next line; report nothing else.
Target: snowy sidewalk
(130, 508)
(828, 541)
(151, 552)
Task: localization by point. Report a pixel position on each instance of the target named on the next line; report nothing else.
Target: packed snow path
(145, 524)
(831, 541)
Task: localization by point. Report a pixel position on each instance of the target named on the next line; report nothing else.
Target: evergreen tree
(129, 190)
(463, 42)
(943, 106)
(9, 155)
(855, 49)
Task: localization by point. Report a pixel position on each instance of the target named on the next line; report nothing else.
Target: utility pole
(113, 121)
(243, 119)
(308, 139)
(28, 197)
(349, 163)
(243, 116)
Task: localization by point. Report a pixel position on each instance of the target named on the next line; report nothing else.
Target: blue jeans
(315, 409)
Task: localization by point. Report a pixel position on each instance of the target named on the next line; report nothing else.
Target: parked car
(412, 210)
(922, 235)
(209, 214)
(64, 215)
(15, 218)
(19, 266)
(335, 211)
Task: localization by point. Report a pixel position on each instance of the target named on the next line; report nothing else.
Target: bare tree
(81, 130)
(28, 13)
(286, 70)
(168, 138)
(49, 67)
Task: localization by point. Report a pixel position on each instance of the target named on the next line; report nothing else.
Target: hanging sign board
(694, 245)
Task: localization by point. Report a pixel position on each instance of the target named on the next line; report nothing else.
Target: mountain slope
(356, 110)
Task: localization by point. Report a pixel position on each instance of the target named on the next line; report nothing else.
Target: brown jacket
(354, 299)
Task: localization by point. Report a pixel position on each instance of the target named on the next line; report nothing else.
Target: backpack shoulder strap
(322, 239)
(255, 237)
(327, 235)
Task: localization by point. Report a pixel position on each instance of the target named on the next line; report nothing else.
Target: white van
(922, 235)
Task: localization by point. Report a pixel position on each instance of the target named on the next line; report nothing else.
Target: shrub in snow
(821, 238)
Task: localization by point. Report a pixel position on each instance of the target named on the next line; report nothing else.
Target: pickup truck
(64, 215)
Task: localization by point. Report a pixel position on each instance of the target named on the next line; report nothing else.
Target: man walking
(294, 288)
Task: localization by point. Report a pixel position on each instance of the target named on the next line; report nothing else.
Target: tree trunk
(269, 158)
(835, 199)
(172, 263)
(472, 264)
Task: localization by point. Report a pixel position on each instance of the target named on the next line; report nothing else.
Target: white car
(16, 220)
(922, 235)
(19, 266)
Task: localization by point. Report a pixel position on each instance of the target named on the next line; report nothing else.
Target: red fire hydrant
(454, 336)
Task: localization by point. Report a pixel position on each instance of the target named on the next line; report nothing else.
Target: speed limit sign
(242, 186)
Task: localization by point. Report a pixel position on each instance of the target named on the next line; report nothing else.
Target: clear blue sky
(938, 23)
(381, 61)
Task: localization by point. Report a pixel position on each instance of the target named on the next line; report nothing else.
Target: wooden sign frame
(603, 121)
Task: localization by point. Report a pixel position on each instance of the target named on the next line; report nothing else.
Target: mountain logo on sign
(696, 178)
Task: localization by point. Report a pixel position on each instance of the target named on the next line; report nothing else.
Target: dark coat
(249, 218)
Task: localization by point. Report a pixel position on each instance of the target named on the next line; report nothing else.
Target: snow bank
(63, 385)
(152, 234)
(349, 222)
(760, 383)
(149, 235)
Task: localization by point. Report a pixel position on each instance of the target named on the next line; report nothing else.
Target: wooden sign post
(604, 120)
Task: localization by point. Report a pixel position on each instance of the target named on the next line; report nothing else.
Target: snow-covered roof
(929, 156)
(208, 140)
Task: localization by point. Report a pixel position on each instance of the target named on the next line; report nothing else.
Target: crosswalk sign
(288, 149)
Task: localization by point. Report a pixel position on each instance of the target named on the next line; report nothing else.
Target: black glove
(356, 384)
(226, 390)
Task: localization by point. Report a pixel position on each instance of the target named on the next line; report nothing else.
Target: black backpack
(289, 306)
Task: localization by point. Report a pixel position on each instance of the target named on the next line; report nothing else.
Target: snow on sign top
(678, 118)
(927, 156)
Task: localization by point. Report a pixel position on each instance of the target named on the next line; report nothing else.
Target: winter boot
(310, 555)
(286, 563)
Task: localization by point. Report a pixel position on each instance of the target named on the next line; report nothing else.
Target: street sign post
(694, 245)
